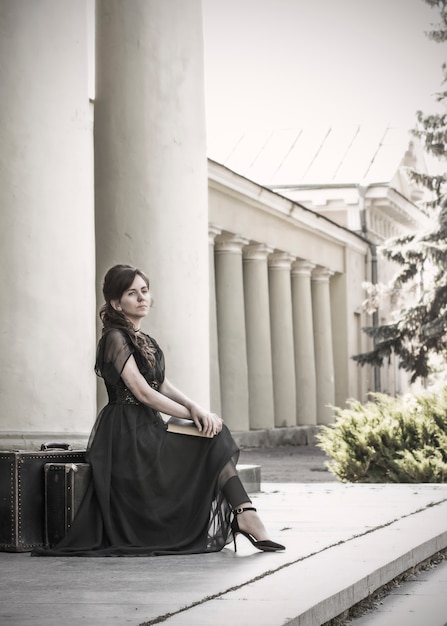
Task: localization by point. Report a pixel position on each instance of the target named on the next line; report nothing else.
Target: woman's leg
(234, 491)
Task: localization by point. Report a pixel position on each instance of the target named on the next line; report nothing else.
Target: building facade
(258, 298)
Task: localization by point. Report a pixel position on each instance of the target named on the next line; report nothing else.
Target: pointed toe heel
(264, 546)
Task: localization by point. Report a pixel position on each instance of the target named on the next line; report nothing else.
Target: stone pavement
(343, 541)
(422, 599)
(289, 464)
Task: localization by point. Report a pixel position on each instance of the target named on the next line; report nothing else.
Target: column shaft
(151, 170)
(324, 358)
(47, 314)
(215, 401)
(257, 318)
(306, 392)
(231, 331)
(283, 359)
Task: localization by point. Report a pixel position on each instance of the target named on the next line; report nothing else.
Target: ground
(289, 464)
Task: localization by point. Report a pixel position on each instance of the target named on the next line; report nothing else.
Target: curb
(322, 586)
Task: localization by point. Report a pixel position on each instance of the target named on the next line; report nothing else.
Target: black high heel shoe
(265, 546)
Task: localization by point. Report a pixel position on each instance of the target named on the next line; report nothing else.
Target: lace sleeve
(114, 349)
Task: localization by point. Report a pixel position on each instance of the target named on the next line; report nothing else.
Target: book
(184, 427)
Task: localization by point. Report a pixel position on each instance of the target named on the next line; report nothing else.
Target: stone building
(258, 288)
(357, 177)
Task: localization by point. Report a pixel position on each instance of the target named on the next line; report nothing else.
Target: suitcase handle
(51, 445)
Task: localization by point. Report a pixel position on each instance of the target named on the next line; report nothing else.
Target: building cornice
(222, 179)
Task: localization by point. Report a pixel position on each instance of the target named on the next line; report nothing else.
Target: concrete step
(271, 437)
(321, 586)
(250, 476)
(343, 542)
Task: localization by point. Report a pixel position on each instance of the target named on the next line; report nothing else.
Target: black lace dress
(152, 492)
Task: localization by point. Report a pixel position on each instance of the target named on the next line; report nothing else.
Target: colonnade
(129, 185)
(272, 354)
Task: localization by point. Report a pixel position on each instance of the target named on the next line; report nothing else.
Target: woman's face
(135, 301)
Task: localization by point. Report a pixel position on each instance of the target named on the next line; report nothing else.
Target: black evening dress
(152, 492)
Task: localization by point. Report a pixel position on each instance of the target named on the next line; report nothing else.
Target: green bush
(389, 440)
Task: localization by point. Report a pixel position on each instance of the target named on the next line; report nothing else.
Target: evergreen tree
(419, 330)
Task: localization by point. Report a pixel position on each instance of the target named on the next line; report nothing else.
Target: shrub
(392, 440)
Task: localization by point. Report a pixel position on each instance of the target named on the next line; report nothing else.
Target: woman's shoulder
(113, 333)
(114, 349)
(114, 339)
(121, 337)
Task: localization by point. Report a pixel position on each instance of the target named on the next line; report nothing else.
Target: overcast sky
(289, 63)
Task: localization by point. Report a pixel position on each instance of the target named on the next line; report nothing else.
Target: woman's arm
(144, 393)
(210, 423)
(169, 390)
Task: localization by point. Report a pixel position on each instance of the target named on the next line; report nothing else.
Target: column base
(271, 437)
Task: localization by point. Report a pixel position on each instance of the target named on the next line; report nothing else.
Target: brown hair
(116, 281)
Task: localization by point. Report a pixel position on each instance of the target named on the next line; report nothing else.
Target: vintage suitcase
(22, 495)
(65, 486)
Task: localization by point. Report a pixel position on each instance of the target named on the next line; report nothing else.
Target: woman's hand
(208, 423)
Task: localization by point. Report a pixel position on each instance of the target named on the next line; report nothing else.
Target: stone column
(231, 331)
(47, 339)
(283, 359)
(215, 402)
(257, 322)
(306, 386)
(324, 358)
(151, 170)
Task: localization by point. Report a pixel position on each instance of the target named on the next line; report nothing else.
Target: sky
(292, 63)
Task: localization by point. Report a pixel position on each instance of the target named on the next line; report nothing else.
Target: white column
(282, 339)
(257, 322)
(47, 311)
(306, 392)
(231, 331)
(151, 170)
(215, 402)
(324, 358)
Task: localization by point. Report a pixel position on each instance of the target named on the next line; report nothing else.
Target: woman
(153, 492)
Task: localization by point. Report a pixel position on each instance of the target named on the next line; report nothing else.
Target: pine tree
(419, 329)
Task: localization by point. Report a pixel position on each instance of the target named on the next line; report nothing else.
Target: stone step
(250, 476)
(344, 541)
(322, 586)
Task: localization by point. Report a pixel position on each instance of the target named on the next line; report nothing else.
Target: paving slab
(420, 600)
(343, 541)
(313, 591)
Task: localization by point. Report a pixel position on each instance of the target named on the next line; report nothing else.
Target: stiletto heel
(265, 546)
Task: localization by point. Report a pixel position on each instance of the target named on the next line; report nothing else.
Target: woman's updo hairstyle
(117, 280)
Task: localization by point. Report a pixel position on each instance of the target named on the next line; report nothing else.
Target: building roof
(335, 155)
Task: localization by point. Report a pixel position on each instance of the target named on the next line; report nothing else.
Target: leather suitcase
(22, 494)
(65, 486)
